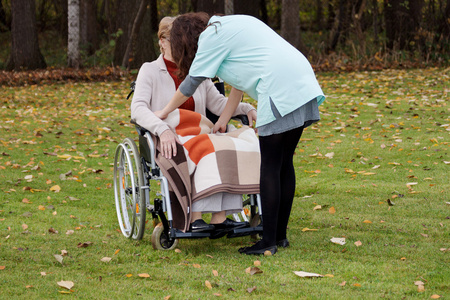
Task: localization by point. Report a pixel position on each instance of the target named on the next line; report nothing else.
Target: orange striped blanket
(208, 163)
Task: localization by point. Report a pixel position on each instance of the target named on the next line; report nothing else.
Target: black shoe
(257, 251)
(226, 226)
(200, 226)
(284, 243)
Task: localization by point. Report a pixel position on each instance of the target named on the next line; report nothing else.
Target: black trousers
(277, 183)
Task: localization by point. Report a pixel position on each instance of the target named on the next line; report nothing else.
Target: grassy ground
(377, 164)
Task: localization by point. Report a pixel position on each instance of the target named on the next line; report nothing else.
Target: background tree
(25, 52)
(290, 24)
(73, 43)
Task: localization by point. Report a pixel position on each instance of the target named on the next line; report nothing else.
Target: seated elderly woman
(156, 83)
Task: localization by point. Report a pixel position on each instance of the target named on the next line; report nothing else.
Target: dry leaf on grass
(66, 284)
(308, 229)
(144, 275)
(59, 258)
(332, 210)
(84, 245)
(215, 273)
(257, 263)
(435, 296)
(252, 289)
(358, 243)
(208, 284)
(340, 241)
(106, 259)
(253, 270)
(306, 274)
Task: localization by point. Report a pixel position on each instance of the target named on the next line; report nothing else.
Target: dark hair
(184, 35)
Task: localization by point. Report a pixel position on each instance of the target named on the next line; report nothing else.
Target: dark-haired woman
(252, 58)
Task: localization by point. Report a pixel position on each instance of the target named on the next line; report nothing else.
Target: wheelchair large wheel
(124, 190)
(160, 240)
(139, 196)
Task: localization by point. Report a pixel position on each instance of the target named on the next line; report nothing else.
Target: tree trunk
(145, 50)
(73, 42)
(125, 14)
(25, 52)
(134, 32)
(290, 24)
(319, 15)
(402, 18)
(89, 39)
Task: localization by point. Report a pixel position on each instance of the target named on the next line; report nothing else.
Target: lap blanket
(208, 163)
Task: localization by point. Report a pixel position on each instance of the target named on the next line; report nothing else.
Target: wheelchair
(140, 189)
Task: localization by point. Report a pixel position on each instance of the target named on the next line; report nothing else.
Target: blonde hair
(165, 25)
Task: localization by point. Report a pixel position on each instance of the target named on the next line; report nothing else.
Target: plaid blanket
(208, 163)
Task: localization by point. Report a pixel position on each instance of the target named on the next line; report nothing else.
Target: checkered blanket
(208, 163)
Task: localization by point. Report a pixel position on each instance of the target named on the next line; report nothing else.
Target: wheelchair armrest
(241, 118)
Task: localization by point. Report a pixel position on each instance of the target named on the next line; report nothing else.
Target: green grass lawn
(375, 171)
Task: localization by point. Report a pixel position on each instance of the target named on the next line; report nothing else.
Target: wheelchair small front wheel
(160, 240)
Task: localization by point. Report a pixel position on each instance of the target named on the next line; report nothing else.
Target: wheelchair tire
(124, 190)
(139, 197)
(160, 241)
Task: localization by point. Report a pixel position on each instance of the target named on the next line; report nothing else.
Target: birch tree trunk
(73, 42)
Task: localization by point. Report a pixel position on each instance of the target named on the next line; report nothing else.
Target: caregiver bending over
(252, 58)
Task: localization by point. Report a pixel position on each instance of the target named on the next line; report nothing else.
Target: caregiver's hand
(169, 142)
(251, 117)
(220, 126)
(160, 114)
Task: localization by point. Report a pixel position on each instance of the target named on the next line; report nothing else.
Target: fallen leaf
(332, 210)
(177, 250)
(66, 284)
(358, 243)
(129, 275)
(55, 188)
(267, 253)
(253, 270)
(52, 230)
(2, 267)
(419, 283)
(117, 251)
(84, 245)
(167, 297)
(403, 258)
(435, 296)
(41, 207)
(308, 229)
(217, 294)
(317, 207)
(342, 283)
(367, 222)
(306, 274)
(340, 241)
(196, 266)
(329, 275)
(257, 263)
(59, 258)
(106, 259)
(70, 231)
(252, 289)
(43, 273)
(64, 252)
(421, 288)
(24, 226)
(144, 275)
(356, 284)
(208, 284)
(215, 273)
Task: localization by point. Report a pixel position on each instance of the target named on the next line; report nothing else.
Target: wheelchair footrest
(178, 234)
(245, 231)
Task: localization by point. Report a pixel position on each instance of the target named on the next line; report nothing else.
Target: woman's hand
(220, 126)
(251, 117)
(160, 114)
(169, 142)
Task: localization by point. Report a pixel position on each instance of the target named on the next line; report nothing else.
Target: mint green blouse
(250, 56)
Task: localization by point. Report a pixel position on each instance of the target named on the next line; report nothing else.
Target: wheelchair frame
(134, 171)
